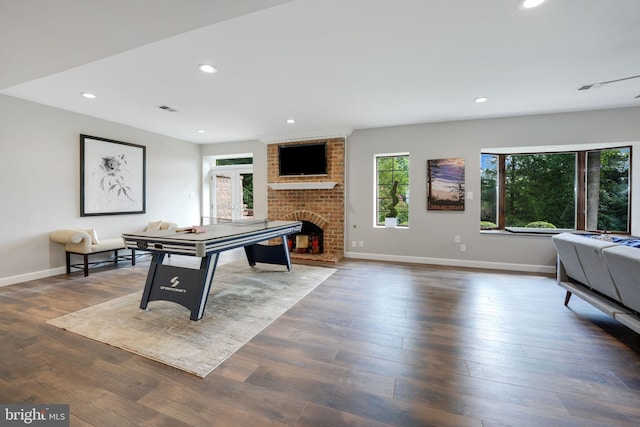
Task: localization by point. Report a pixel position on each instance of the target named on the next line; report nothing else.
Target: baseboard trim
(529, 268)
(543, 269)
(12, 280)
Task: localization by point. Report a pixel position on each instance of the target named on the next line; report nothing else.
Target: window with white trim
(392, 188)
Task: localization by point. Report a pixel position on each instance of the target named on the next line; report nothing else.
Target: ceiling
(332, 65)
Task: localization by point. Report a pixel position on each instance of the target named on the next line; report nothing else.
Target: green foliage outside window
(391, 169)
(235, 161)
(542, 189)
(609, 171)
(247, 190)
(488, 191)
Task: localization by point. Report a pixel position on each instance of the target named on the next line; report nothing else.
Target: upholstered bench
(85, 243)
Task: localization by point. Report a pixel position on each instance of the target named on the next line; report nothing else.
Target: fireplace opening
(308, 241)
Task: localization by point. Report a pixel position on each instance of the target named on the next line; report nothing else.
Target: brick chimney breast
(322, 206)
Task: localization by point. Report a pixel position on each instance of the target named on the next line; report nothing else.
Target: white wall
(40, 184)
(430, 238)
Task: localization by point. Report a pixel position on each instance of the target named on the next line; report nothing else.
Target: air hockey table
(190, 287)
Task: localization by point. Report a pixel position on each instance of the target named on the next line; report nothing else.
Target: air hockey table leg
(269, 254)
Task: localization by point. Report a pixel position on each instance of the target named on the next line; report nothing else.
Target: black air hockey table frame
(190, 287)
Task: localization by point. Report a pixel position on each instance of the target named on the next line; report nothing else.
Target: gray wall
(430, 238)
(40, 184)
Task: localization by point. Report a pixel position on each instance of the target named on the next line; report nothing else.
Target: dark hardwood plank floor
(377, 344)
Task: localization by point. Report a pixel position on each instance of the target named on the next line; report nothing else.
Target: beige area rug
(243, 301)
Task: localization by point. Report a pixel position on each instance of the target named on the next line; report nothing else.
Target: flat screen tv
(303, 159)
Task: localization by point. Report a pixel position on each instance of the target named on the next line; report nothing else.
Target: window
(392, 187)
(583, 190)
(231, 189)
(234, 161)
(488, 191)
(608, 187)
(246, 178)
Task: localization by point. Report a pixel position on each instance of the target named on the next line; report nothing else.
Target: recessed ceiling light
(481, 99)
(88, 95)
(529, 4)
(202, 131)
(291, 121)
(206, 68)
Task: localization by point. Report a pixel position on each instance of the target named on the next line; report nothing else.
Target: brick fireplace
(318, 200)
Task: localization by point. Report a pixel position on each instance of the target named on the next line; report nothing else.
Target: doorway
(231, 192)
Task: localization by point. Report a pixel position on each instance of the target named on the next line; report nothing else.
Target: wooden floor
(377, 344)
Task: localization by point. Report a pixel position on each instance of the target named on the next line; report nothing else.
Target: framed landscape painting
(445, 184)
(112, 177)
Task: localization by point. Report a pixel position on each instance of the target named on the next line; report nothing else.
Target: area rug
(243, 301)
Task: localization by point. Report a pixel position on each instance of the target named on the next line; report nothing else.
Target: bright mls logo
(34, 415)
(174, 286)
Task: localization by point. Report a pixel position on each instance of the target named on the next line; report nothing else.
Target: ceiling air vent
(167, 108)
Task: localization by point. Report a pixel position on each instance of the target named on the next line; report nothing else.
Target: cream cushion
(94, 236)
(74, 240)
(160, 225)
(154, 226)
(80, 242)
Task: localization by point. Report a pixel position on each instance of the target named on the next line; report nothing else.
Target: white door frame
(234, 172)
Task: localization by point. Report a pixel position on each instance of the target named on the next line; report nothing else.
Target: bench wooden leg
(86, 265)
(567, 298)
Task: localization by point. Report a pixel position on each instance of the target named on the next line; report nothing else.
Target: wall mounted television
(302, 159)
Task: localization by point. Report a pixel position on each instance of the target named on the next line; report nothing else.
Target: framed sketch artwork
(112, 177)
(445, 184)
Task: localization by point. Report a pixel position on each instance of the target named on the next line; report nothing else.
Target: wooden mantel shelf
(301, 185)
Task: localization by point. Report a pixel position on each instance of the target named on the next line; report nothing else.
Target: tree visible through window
(489, 191)
(389, 170)
(544, 190)
(608, 185)
(540, 190)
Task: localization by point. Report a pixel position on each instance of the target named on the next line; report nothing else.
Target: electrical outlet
(361, 243)
(456, 239)
(353, 243)
(463, 248)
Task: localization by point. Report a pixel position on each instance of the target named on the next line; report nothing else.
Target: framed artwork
(112, 177)
(445, 184)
